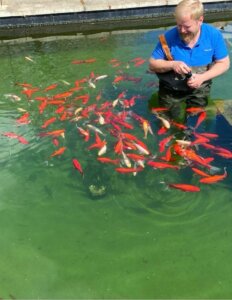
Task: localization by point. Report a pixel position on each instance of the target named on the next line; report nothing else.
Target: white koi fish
(126, 160)
(95, 129)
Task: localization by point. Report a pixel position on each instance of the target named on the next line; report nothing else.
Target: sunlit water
(139, 240)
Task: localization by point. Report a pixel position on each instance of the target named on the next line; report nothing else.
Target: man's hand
(195, 81)
(180, 67)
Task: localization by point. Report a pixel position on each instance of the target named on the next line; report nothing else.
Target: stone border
(88, 21)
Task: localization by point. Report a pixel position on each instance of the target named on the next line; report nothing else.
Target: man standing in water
(186, 58)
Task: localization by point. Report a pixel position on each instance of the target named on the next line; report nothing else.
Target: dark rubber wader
(173, 88)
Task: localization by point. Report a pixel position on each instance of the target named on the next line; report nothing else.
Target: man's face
(188, 28)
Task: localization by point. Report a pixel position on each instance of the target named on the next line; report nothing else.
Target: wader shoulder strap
(165, 47)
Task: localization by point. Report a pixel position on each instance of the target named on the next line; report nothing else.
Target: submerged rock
(97, 191)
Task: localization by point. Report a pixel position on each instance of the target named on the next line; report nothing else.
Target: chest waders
(173, 88)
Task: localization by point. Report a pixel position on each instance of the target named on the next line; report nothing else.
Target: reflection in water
(106, 234)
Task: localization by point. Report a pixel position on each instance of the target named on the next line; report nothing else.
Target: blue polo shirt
(209, 47)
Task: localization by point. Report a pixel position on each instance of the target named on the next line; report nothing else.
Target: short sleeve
(158, 52)
(220, 49)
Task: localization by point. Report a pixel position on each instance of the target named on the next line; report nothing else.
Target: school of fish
(107, 127)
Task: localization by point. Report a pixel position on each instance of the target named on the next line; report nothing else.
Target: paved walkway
(38, 7)
(13, 8)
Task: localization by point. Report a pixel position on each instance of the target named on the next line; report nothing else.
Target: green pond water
(141, 239)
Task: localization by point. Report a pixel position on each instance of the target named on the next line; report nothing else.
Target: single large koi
(62, 95)
(164, 142)
(200, 119)
(77, 166)
(162, 165)
(200, 172)
(29, 92)
(48, 122)
(51, 87)
(184, 187)
(58, 152)
(213, 178)
(108, 160)
(53, 133)
(129, 170)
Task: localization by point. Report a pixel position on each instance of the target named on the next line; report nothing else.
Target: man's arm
(163, 66)
(160, 65)
(218, 68)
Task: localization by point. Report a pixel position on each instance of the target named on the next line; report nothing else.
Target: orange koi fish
(129, 170)
(77, 166)
(118, 148)
(60, 109)
(200, 140)
(98, 142)
(135, 156)
(53, 133)
(99, 95)
(162, 165)
(42, 106)
(129, 145)
(113, 60)
(55, 102)
(184, 187)
(13, 135)
(42, 98)
(55, 142)
(164, 142)
(76, 88)
(162, 130)
(200, 172)
(209, 135)
(191, 155)
(179, 125)
(24, 119)
(84, 133)
(64, 116)
(58, 152)
(195, 109)
(51, 87)
(168, 155)
(26, 85)
(118, 78)
(201, 118)
(83, 61)
(124, 124)
(62, 95)
(29, 92)
(136, 59)
(129, 136)
(22, 140)
(208, 146)
(108, 160)
(90, 60)
(84, 98)
(223, 154)
(158, 109)
(213, 178)
(48, 122)
(224, 150)
(140, 62)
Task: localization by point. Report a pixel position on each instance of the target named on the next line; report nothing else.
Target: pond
(90, 230)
